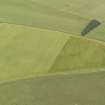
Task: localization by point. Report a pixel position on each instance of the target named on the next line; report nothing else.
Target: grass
(81, 8)
(84, 8)
(80, 89)
(79, 54)
(38, 15)
(43, 61)
(98, 34)
(42, 15)
(68, 17)
(26, 51)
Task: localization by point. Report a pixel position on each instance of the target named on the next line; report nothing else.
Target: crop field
(52, 52)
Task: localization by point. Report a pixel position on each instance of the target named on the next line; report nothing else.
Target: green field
(85, 8)
(98, 34)
(37, 15)
(81, 89)
(27, 51)
(80, 54)
(44, 59)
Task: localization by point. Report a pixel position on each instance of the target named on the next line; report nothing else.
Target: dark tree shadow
(92, 25)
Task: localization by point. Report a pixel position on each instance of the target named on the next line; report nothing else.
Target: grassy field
(94, 9)
(80, 54)
(84, 8)
(42, 15)
(27, 51)
(80, 89)
(37, 15)
(43, 58)
(98, 34)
